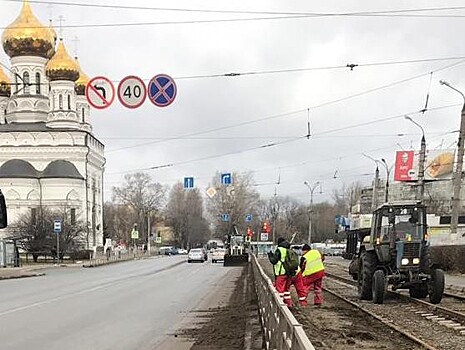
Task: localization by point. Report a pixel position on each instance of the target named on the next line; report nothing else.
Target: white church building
(49, 155)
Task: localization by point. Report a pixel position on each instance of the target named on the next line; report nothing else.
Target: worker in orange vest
(313, 271)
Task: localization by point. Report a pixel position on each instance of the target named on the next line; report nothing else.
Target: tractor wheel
(378, 287)
(419, 291)
(365, 276)
(436, 286)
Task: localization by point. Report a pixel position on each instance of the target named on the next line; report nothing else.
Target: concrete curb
(103, 262)
(21, 276)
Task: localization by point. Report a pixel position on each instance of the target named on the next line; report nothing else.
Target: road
(133, 305)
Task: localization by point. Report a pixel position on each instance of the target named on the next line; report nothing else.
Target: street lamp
(311, 189)
(457, 180)
(421, 165)
(374, 200)
(388, 171)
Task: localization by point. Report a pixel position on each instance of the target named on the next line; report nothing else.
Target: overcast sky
(191, 49)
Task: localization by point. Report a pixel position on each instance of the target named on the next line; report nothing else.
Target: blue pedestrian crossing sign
(226, 179)
(248, 218)
(188, 182)
(225, 217)
(57, 226)
(162, 90)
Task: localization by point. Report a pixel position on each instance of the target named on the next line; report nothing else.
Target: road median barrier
(282, 330)
(104, 260)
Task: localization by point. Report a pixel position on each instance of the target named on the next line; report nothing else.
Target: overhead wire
(277, 116)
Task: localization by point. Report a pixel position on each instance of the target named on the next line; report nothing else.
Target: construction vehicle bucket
(236, 260)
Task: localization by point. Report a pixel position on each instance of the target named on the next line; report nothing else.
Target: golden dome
(5, 83)
(62, 66)
(26, 36)
(82, 82)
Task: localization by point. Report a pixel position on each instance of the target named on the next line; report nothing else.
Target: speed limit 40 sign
(132, 92)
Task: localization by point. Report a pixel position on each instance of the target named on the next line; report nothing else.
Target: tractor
(236, 249)
(397, 253)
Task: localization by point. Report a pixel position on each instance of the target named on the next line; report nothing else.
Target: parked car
(205, 253)
(168, 251)
(218, 254)
(182, 251)
(196, 254)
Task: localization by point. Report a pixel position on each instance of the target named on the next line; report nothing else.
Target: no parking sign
(162, 90)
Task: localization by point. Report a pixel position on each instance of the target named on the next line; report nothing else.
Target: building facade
(49, 156)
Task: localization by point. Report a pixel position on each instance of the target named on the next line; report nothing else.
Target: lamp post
(457, 179)
(374, 200)
(388, 171)
(421, 165)
(311, 189)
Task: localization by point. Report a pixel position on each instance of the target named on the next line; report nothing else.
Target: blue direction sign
(226, 179)
(57, 226)
(188, 182)
(162, 90)
(225, 217)
(248, 218)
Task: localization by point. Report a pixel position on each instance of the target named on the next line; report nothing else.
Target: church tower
(49, 156)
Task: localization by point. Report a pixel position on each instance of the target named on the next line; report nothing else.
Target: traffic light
(266, 228)
(249, 232)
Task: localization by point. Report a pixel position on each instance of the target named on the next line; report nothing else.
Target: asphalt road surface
(127, 306)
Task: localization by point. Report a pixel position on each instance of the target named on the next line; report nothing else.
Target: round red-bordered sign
(132, 92)
(162, 90)
(100, 92)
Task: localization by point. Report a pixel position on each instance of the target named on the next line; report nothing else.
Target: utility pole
(457, 179)
(311, 189)
(148, 233)
(374, 200)
(388, 171)
(421, 165)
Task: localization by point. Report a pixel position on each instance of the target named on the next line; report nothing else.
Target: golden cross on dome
(61, 19)
(76, 43)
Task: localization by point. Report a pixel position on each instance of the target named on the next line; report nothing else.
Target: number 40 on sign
(132, 92)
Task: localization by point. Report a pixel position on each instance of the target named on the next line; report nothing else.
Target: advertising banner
(439, 165)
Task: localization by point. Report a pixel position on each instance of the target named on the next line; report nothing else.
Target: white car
(182, 251)
(196, 255)
(218, 254)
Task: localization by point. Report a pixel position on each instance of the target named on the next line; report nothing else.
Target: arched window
(83, 114)
(60, 101)
(38, 83)
(69, 102)
(26, 83)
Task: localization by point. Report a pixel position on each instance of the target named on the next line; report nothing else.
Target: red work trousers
(298, 282)
(315, 282)
(282, 284)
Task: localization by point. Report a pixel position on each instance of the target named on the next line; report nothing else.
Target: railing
(103, 259)
(281, 329)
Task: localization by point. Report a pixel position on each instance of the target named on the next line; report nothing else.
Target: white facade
(48, 153)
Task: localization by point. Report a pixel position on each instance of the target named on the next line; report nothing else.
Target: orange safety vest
(313, 262)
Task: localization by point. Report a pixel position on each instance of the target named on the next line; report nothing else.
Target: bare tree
(346, 197)
(118, 222)
(34, 232)
(142, 195)
(184, 214)
(236, 201)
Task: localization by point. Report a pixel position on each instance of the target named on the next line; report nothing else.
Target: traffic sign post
(248, 218)
(162, 90)
(211, 192)
(100, 92)
(132, 92)
(57, 229)
(188, 182)
(226, 217)
(264, 236)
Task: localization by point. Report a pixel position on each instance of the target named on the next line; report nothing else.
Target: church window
(26, 83)
(38, 82)
(69, 102)
(83, 114)
(60, 101)
(73, 216)
(33, 216)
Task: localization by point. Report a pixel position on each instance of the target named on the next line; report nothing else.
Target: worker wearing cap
(313, 271)
(282, 281)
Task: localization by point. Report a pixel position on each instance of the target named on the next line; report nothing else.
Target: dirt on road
(233, 326)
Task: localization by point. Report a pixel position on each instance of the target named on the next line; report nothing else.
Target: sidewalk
(23, 271)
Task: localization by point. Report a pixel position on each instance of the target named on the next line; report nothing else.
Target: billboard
(439, 165)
